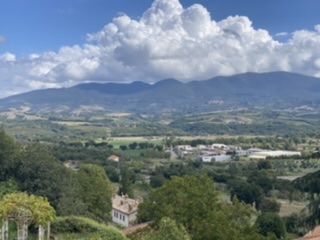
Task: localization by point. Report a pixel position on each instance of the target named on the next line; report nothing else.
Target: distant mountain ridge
(269, 90)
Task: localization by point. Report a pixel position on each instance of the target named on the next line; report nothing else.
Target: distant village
(221, 153)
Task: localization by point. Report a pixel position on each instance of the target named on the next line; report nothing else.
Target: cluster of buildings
(222, 152)
(208, 153)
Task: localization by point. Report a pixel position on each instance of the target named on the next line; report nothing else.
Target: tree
(95, 191)
(133, 145)
(125, 181)
(8, 151)
(112, 173)
(70, 201)
(10, 186)
(269, 205)
(297, 224)
(167, 229)
(157, 181)
(192, 202)
(264, 164)
(246, 192)
(159, 148)
(271, 223)
(185, 200)
(123, 147)
(235, 223)
(261, 179)
(40, 173)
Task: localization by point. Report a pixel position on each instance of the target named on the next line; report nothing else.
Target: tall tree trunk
(41, 232)
(48, 230)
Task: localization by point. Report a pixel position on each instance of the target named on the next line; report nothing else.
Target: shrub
(82, 225)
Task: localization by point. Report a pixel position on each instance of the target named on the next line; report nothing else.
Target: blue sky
(43, 25)
(60, 43)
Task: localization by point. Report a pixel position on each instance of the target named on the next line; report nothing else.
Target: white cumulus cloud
(8, 57)
(168, 41)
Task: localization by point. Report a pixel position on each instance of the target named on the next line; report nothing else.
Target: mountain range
(250, 90)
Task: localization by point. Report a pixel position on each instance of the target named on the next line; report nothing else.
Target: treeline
(264, 128)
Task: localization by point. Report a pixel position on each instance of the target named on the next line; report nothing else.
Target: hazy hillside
(268, 90)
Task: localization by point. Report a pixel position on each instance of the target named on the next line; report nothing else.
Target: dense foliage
(83, 226)
(166, 229)
(35, 170)
(192, 202)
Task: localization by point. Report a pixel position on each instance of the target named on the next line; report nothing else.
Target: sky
(59, 43)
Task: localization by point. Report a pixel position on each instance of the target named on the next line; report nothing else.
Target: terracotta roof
(124, 204)
(313, 235)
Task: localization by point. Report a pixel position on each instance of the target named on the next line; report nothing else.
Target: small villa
(124, 210)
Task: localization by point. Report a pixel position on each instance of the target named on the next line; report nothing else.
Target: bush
(157, 181)
(269, 205)
(82, 225)
(271, 223)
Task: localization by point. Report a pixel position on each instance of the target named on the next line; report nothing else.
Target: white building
(222, 158)
(124, 210)
(185, 147)
(263, 154)
(219, 146)
(202, 147)
(206, 159)
(215, 158)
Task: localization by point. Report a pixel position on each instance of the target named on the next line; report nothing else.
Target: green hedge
(82, 225)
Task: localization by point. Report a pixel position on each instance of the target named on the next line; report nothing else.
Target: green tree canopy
(269, 205)
(192, 201)
(271, 224)
(40, 173)
(96, 191)
(249, 193)
(10, 186)
(167, 229)
(8, 151)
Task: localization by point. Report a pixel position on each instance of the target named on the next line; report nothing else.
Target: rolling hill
(275, 90)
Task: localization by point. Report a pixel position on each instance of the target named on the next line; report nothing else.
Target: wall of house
(222, 158)
(132, 218)
(120, 218)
